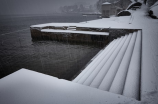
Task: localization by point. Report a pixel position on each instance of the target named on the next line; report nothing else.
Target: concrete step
(115, 63)
(100, 60)
(119, 80)
(101, 74)
(117, 68)
(132, 84)
(102, 68)
(94, 61)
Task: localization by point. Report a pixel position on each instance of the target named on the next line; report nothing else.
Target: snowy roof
(106, 3)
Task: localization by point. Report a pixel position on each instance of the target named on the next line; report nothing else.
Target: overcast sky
(36, 6)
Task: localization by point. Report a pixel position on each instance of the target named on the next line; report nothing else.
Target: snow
(95, 62)
(132, 84)
(54, 24)
(121, 74)
(124, 11)
(149, 66)
(108, 79)
(94, 74)
(18, 88)
(75, 31)
(103, 67)
(29, 87)
(106, 3)
(130, 5)
(101, 60)
(103, 74)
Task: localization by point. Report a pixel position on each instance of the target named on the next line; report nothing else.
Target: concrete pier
(77, 33)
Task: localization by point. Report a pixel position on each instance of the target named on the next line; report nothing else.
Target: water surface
(59, 59)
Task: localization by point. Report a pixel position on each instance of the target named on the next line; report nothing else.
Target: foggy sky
(36, 6)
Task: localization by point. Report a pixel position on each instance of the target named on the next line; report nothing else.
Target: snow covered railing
(117, 68)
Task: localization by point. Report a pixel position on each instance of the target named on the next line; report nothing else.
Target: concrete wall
(36, 34)
(71, 37)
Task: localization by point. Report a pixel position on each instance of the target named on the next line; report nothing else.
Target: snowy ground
(61, 91)
(149, 26)
(28, 87)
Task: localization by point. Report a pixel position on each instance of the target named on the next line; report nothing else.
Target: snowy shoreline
(39, 88)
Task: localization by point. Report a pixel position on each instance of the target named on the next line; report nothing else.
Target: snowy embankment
(149, 66)
(25, 86)
(29, 87)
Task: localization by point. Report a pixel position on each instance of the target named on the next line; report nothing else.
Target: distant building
(109, 9)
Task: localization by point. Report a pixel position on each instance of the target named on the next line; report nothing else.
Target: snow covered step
(132, 84)
(93, 63)
(109, 77)
(104, 69)
(99, 67)
(117, 68)
(119, 80)
(100, 61)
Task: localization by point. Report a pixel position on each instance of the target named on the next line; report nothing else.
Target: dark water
(59, 59)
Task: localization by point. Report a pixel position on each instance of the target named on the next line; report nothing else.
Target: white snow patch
(29, 87)
(75, 31)
(106, 3)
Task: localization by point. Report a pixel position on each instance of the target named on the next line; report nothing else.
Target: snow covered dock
(71, 33)
(25, 86)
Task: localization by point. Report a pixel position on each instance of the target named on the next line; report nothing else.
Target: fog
(37, 6)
